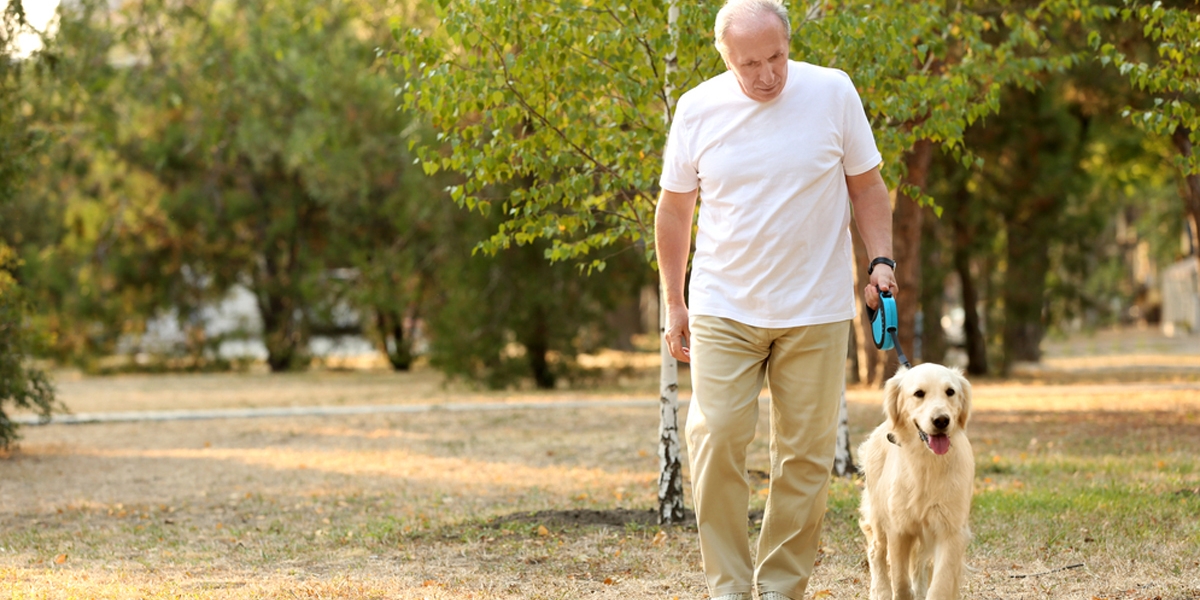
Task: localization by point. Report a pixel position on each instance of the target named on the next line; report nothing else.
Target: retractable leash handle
(883, 326)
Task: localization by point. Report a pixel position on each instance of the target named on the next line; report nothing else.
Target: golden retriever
(920, 475)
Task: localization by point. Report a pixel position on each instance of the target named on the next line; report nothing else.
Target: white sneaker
(734, 596)
(773, 596)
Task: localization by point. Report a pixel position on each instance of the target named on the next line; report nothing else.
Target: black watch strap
(881, 260)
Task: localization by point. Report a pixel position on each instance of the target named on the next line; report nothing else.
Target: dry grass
(442, 504)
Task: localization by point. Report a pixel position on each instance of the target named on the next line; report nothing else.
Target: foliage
(1166, 65)
(506, 316)
(203, 145)
(21, 385)
(561, 100)
(566, 100)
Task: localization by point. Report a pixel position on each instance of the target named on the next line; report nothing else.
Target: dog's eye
(919, 393)
(949, 391)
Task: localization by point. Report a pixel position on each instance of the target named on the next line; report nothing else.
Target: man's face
(756, 50)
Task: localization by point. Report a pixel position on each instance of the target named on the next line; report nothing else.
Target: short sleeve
(679, 172)
(859, 152)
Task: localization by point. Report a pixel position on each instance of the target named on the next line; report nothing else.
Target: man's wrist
(881, 260)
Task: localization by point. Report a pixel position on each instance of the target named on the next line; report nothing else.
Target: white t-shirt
(773, 247)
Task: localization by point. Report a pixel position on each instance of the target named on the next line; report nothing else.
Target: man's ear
(891, 398)
(965, 386)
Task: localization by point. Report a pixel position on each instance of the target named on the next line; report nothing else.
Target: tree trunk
(852, 374)
(670, 474)
(394, 343)
(1025, 281)
(282, 332)
(907, 241)
(843, 458)
(670, 467)
(537, 350)
(933, 290)
(276, 279)
(976, 344)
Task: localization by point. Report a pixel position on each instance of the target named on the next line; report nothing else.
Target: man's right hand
(678, 336)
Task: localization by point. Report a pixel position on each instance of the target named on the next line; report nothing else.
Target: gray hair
(739, 10)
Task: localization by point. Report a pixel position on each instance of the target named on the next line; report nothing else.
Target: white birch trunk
(843, 459)
(670, 476)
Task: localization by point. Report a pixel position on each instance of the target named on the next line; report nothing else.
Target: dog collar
(891, 437)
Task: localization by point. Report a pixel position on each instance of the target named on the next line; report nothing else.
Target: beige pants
(805, 367)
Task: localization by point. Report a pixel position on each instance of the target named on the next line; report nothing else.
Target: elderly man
(780, 152)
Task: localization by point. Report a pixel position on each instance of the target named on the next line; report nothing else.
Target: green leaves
(555, 109)
(558, 104)
(1169, 74)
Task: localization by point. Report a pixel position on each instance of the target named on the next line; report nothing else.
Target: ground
(1088, 486)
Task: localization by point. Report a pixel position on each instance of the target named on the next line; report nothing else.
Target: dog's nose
(941, 422)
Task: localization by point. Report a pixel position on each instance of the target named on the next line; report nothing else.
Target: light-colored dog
(920, 474)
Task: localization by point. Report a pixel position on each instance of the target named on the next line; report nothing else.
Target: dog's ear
(891, 398)
(965, 386)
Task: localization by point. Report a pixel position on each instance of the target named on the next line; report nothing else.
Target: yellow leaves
(60, 559)
(823, 594)
(542, 531)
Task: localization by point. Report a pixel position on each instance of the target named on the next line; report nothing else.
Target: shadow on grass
(616, 517)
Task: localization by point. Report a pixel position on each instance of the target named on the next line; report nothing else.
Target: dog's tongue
(940, 444)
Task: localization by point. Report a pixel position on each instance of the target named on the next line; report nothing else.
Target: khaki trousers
(805, 368)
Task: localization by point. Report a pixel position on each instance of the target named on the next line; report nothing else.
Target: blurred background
(226, 185)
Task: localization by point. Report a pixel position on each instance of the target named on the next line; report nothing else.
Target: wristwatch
(881, 260)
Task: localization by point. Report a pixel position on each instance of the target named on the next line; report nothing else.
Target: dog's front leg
(899, 550)
(877, 558)
(948, 562)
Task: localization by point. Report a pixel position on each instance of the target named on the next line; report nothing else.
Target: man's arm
(873, 213)
(673, 244)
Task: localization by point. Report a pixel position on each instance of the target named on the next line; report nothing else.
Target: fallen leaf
(659, 538)
(608, 581)
(60, 559)
(823, 594)
(542, 531)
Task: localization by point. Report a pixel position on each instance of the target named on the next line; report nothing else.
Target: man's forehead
(754, 24)
(741, 36)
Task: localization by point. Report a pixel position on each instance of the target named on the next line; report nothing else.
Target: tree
(1166, 66)
(21, 385)
(202, 145)
(560, 105)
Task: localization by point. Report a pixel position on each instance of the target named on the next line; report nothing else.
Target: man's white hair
(740, 10)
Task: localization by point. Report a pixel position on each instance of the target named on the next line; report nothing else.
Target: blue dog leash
(883, 326)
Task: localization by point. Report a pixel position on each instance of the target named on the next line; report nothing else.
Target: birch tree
(670, 466)
(571, 96)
